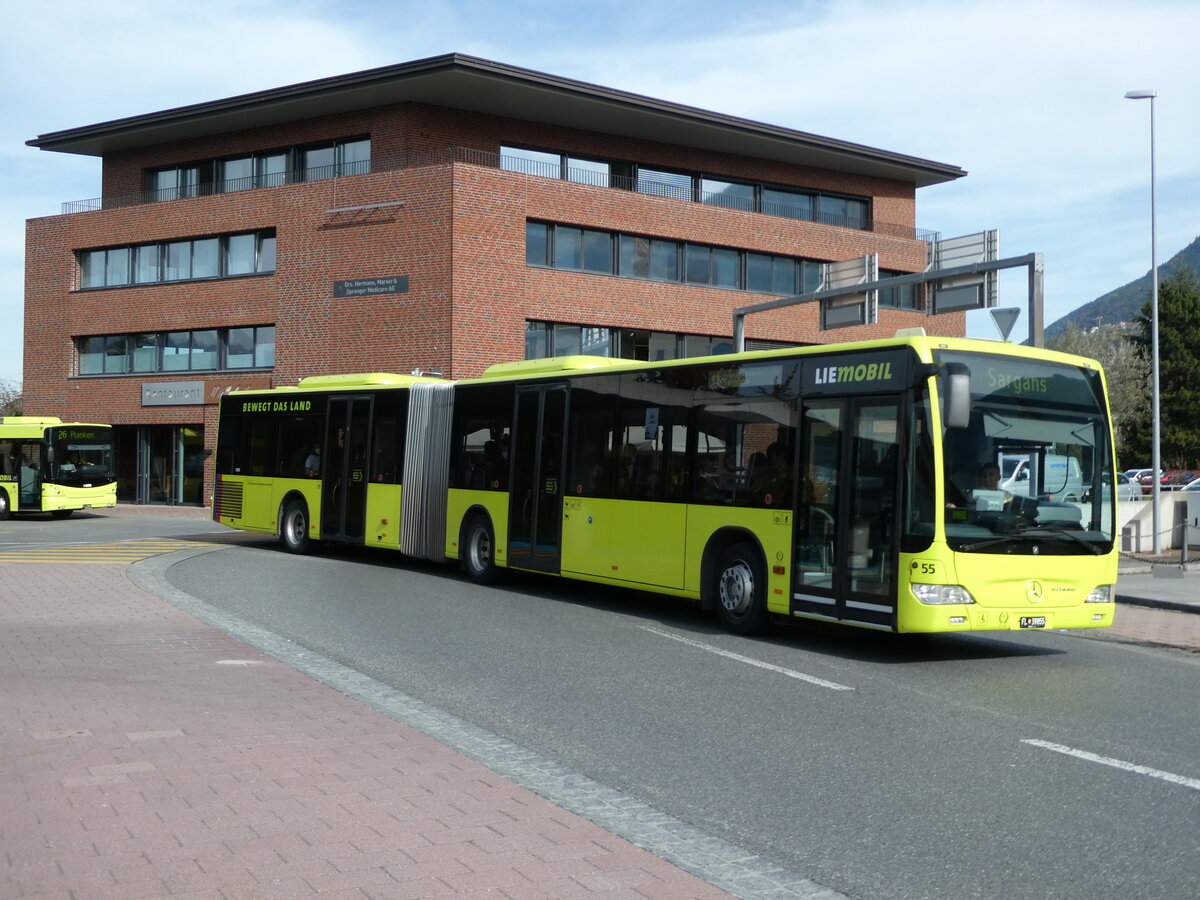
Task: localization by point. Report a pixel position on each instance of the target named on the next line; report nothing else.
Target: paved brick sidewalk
(146, 754)
(1154, 626)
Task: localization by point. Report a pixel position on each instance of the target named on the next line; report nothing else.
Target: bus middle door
(846, 518)
(344, 474)
(536, 494)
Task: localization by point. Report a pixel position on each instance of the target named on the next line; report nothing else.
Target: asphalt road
(1045, 765)
(83, 527)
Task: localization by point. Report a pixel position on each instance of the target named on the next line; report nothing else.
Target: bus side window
(743, 453)
(481, 434)
(297, 436)
(596, 466)
(262, 434)
(384, 458)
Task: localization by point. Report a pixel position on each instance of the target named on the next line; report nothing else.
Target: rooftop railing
(643, 183)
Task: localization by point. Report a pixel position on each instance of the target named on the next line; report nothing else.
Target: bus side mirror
(956, 393)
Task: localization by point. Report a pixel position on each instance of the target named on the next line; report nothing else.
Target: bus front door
(344, 469)
(29, 475)
(536, 495)
(846, 517)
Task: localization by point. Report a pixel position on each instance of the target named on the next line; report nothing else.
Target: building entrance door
(159, 464)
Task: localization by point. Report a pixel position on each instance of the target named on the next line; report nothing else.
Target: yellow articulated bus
(842, 482)
(47, 465)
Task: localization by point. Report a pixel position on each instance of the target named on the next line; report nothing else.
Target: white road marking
(790, 673)
(1193, 783)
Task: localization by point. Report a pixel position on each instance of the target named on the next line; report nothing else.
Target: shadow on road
(814, 636)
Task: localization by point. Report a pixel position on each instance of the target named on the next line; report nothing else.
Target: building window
(177, 350)
(236, 174)
(147, 262)
(727, 194)
(189, 260)
(181, 181)
(218, 176)
(579, 169)
(636, 256)
(589, 171)
(145, 352)
(250, 348)
(241, 254)
(205, 350)
(664, 184)
(270, 169)
(843, 210)
(789, 204)
(537, 244)
(904, 296)
(201, 350)
(546, 339)
(531, 162)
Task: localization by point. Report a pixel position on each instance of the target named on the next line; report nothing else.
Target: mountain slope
(1125, 303)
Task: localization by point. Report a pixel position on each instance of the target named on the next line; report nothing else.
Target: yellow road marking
(122, 552)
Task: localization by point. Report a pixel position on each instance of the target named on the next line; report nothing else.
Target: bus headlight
(942, 594)
(1102, 594)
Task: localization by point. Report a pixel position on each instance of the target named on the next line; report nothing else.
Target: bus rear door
(344, 475)
(536, 496)
(846, 515)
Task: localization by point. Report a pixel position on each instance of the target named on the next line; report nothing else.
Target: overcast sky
(1026, 95)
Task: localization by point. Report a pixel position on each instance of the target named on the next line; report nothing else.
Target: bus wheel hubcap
(737, 588)
(481, 550)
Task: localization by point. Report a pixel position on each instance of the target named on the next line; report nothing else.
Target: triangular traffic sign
(1005, 318)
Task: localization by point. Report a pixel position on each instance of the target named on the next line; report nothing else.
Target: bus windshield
(82, 455)
(1033, 470)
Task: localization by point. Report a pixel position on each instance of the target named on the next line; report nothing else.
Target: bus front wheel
(4, 513)
(479, 551)
(293, 528)
(740, 590)
(61, 513)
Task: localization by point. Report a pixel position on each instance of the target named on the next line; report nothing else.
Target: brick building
(442, 214)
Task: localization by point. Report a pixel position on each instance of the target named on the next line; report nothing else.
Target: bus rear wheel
(293, 528)
(479, 551)
(741, 589)
(4, 513)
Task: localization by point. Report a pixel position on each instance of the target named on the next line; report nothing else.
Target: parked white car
(1128, 489)
(1062, 479)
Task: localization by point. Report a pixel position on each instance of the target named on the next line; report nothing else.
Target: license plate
(1033, 621)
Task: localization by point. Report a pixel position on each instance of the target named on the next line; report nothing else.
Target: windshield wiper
(988, 542)
(1031, 533)
(1060, 532)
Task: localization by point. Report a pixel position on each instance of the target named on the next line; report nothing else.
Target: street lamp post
(1155, 400)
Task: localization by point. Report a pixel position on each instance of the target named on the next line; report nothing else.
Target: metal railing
(641, 184)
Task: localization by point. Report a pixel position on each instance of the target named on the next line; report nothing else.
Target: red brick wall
(495, 292)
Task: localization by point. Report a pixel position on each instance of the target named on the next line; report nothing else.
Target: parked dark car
(1177, 478)
(1170, 480)
(1146, 479)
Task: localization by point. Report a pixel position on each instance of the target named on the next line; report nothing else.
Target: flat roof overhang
(479, 85)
